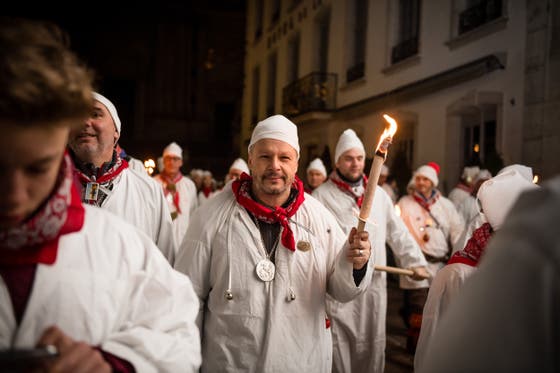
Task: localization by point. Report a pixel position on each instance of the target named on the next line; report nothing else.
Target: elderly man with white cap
(496, 195)
(316, 174)
(358, 327)
(179, 191)
(109, 183)
(263, 256)
(436, 226)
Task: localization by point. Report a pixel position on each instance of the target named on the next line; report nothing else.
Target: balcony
(404, 50)
(313, 92)
(483, 12)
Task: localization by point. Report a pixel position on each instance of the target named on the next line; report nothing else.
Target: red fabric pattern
(111, 173)
(36, 240)
(346, 188)
(474, 248)
(426, 203)
(241, 188)
(168, 181)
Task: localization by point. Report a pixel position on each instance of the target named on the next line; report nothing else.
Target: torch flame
(388, 133)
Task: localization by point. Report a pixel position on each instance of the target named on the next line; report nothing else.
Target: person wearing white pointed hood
(316, 174)
(238, 167)
(436, 226)
(262, 255)
(74, 278)
(358, 336)
(179, 191)
(506, 317)
(465, 186)
(108, 182)
(496, 195)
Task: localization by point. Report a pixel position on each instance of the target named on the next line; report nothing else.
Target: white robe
(358, 327)
(506, 319)
(187, 203)
(444, 289)
(473, 219)
(139, 200)
(111, 287)
(457, 196)
(415, 217)
(261, 329)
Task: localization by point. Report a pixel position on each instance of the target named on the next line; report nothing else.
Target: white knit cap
(276, 127)
(317, 165)
(348, 140)
(111, 108)
(430, 171)
(469, 173)
(173, 149)
(498, 195)
(526, 172)
(240, 164)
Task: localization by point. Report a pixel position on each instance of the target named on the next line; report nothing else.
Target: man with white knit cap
(109, 183)
(496, 195)
(262, 256)
(465, 186)
(358, 336)
(179, 191)
(436, 226)
(316, 174)
(238, 167)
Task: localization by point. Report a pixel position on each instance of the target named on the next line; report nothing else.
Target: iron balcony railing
(313, 92)
(479, 14)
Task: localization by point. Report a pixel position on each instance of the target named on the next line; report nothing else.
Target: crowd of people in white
(104, 268)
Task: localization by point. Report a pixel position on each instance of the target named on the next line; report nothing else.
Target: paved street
(397, 359)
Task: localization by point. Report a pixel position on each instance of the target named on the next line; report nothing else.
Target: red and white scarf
(347, 188)
(36, 240)
(474, 248)
(105, 180)
(170, 187)
(241, 189)
(426, 203)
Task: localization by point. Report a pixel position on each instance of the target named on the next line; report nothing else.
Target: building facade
(468, 81)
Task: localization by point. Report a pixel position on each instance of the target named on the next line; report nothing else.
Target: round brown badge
(303, 246)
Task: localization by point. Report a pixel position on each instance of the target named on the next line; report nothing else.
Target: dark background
(173, 69)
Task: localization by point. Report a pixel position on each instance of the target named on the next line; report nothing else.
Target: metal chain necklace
(265, 268)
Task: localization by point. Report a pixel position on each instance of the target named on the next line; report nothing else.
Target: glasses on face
(172, 159)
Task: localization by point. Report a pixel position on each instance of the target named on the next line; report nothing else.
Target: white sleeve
(157, 331)
(165, 237)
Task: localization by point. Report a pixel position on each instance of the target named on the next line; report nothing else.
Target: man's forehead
(354, 152)
(269, 144)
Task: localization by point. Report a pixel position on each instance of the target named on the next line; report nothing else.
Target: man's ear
(116, 136)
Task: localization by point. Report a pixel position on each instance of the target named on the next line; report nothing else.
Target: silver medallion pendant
(265, 270)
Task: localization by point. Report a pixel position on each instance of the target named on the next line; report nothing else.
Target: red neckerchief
(206, 191)
(104, 180)
(346, 188)
(464, 187)
(474, 248)
(241, 188)
(172, 182)
(36, 241)
(426, 203)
